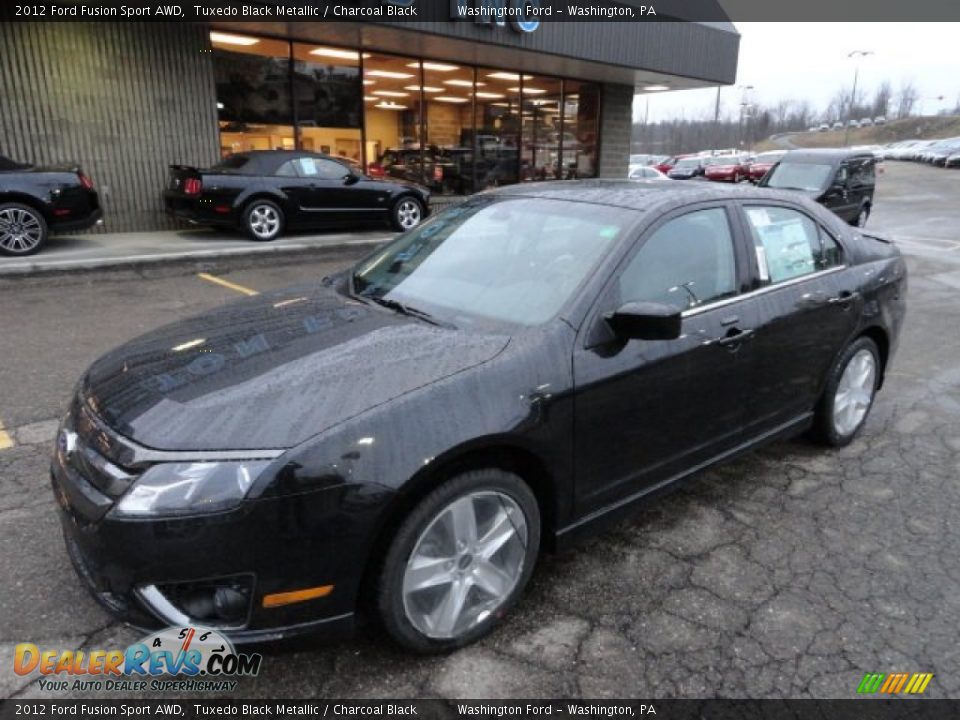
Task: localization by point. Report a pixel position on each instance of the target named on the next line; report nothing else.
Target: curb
(26, 270)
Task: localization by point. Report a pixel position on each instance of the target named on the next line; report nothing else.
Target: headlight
(190, 488)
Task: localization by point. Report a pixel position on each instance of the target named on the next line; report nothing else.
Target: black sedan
(38, 200)
(404, 437)
(688, 168)
(267, 192)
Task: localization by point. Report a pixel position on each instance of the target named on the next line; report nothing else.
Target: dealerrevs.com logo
(204, 658)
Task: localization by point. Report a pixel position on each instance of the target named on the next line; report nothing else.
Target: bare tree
(907, 97)
(881, 99)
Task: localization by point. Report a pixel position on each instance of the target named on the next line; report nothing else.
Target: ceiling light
(390, 106)
(496, 96)
(230, 39)
(462, 83)
(335, 53)
(370, 98)
(528, 90)
(450, 99)
(391, 93)
(388, 74)
(369, 82)
(439, 67)
(425, 88)
(655, 88)
(508, 76)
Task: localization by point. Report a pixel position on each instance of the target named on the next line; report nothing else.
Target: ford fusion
(399, 441)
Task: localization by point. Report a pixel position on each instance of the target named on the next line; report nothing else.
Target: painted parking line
(6, 442)
(227, 284)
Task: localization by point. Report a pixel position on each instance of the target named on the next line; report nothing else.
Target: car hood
(271, 371)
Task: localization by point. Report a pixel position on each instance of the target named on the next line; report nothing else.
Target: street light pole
(853, 93)
(745, 108)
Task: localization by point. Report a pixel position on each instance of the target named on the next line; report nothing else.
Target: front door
(646, 410)
(839, 197)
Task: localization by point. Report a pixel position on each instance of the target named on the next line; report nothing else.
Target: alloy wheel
(854, 392)
(408, 214)
(20, 230)
(465, 564)
(264, 221)
(862, 217)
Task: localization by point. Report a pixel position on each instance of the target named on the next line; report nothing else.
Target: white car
(645, 172)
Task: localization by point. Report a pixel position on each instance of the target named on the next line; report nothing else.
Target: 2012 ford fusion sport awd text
(400, 441)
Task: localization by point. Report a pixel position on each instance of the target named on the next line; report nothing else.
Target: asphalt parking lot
(790, 572)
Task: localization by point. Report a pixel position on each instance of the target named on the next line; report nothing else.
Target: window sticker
(787, 250)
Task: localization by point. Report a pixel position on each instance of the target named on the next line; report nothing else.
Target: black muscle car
(267, 192)
(402, 438)
(38, 200)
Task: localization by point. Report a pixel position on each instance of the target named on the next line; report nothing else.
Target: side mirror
(646, 321)
(351, 179)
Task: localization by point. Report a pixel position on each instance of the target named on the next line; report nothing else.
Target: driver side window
(687, 262)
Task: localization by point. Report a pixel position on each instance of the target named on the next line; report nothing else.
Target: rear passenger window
(789, 244)
(687, 262)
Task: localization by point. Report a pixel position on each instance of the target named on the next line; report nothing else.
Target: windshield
(515, 260)
(691, 163)
(799, 176)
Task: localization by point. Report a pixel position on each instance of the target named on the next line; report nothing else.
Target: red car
(727, 168)
(761, 164)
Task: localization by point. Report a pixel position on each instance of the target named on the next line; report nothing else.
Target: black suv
(841, 180)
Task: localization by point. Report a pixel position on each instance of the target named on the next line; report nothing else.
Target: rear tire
(850, 390)
(23, 230)
(263, 220)
(860, 220)
(459, 561)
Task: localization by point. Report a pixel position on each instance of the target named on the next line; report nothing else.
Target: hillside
(938, 126)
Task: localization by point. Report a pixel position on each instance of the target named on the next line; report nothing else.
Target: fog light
(216, 602)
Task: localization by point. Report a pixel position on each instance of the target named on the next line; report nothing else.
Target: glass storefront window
(448, 101)
(455, 128)
(391, 99)
(253, 93)
(541, 132)
(327, 93)
(581, 118)
(497, 123)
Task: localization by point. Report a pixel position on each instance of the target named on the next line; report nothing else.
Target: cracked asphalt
(789, 572)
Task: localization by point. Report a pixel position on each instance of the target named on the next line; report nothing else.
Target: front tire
(849, 394)
(407, 213)
(263, 220)
(23, 230)
(459, 561)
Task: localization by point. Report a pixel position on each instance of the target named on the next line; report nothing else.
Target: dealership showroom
(328, 370)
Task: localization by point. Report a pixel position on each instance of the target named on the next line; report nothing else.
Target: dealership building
(457, 104)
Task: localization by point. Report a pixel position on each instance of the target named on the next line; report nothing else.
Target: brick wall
(616, 117)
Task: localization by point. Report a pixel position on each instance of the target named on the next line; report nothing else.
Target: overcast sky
(809, 61)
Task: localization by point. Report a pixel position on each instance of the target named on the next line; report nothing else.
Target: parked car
(762, 163)
(823, 127)
(688, 168)
(404, 437)
(665, 165)
(647, 173)
(266, 192)
(38, 200)
(841, 180)
(880, 120)
(865, 122)
(731, 168)
(952, 160)
(837, 125)
(938, 152)
(853, 124)
(434, 170)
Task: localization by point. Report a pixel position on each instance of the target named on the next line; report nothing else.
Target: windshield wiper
(405, 309)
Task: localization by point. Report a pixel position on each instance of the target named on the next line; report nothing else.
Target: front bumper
(138, 568)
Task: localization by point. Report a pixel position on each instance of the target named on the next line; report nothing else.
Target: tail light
(85, 181)
(192, 186)
(375, 170)
(437, 173)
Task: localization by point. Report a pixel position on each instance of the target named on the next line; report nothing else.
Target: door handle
(844, 299)
(734, 337)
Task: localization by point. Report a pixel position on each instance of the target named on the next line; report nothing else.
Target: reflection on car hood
(271, 371)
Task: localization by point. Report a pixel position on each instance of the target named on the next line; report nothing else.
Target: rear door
(838, 197)
(806, 305)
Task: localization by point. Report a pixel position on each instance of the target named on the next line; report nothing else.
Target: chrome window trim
(761, 291)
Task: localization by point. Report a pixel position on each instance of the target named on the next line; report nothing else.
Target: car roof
(269, 160)
(831, 155)
(642, 195)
